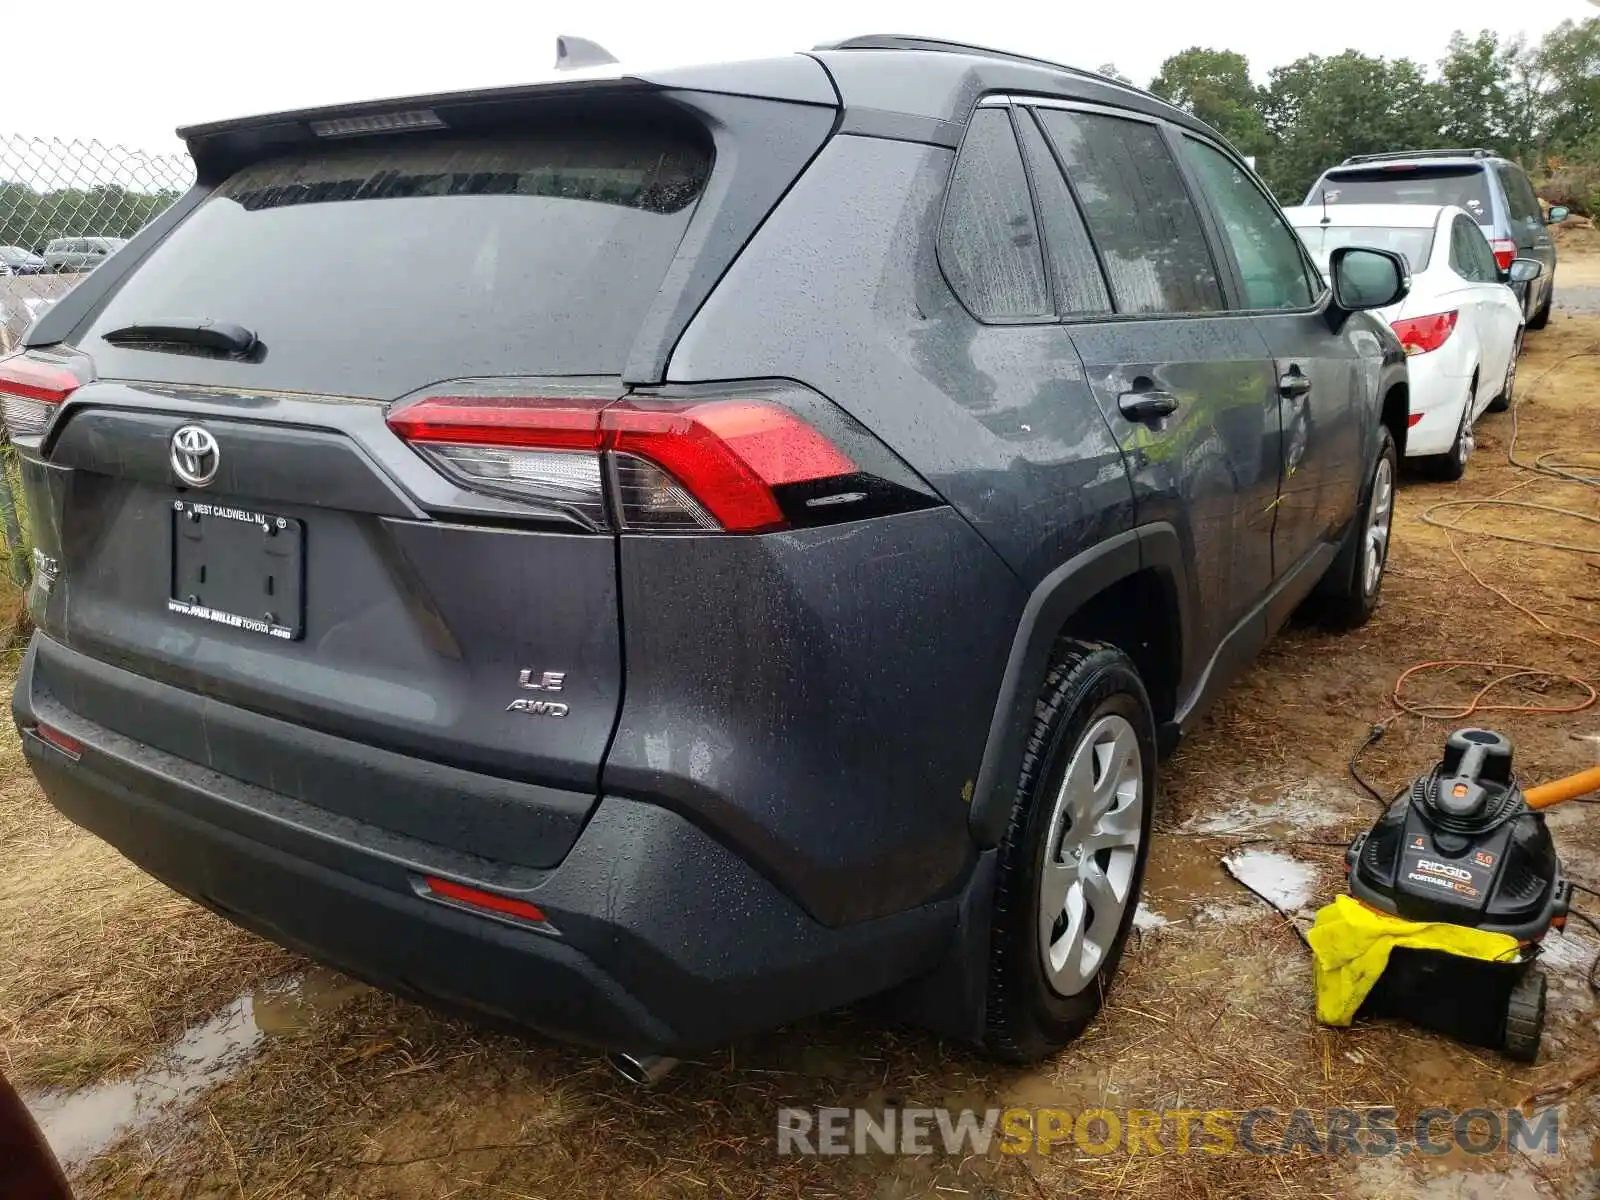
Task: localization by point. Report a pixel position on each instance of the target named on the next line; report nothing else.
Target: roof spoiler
(221, 147)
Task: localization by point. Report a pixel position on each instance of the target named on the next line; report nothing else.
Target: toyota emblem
(195, 456)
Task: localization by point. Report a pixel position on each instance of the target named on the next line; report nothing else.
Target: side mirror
(1558, 213)
(1524, 270)
(1364, 277)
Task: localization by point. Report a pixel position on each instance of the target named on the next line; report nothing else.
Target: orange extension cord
(1509, 671)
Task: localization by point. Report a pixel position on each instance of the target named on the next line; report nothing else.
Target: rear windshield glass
(1414, 245)
(372, 271)
(1465, 187)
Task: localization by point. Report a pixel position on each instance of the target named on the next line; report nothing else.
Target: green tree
(1475, 95)
(1569, 66)
(1215, 86)
(1525, 86)
(1320, 110)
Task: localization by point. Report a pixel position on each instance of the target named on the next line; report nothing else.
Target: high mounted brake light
(30, 391)
(390, 122)
(692, 463)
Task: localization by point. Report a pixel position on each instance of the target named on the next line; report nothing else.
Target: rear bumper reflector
(51, 736)
(462, 895)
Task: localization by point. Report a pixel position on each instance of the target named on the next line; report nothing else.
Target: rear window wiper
(222, 338)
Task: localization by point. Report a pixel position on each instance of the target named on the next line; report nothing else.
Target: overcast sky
(132, 71)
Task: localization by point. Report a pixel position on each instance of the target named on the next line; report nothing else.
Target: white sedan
(1461, 325)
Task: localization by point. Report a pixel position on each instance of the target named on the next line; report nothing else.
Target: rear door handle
(1148, 405)
(1293, 385)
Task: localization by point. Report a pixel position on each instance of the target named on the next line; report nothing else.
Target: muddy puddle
(1194, 880)
(1307, 808)
(80, 1123)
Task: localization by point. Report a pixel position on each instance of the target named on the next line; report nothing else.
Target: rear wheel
(1503, 401)
(1452, 464)
(1542, 318)
(1072, 861)
(1348, 594)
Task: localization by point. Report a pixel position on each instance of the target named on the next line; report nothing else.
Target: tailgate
(224, 504)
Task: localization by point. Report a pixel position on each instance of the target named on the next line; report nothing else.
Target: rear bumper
(664, 939)
(1439, 383)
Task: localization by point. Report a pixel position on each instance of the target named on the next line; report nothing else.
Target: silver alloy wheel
(1091, 852)
(1511, 370)
(1381, 510)
(1466, 440)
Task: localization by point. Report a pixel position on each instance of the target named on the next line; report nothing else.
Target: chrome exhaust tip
(642, 1070)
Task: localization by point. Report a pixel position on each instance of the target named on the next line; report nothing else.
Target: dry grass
(379, 1098)
(102, 964)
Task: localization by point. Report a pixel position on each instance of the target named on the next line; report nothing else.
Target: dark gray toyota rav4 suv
(699, 548)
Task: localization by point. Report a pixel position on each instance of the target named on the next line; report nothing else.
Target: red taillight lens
(546, 422)
(680, 464)
(728, 454)
(472, 897)
(66, 743)
(1505, 252)
(1413, 419)
(30, 390)
(1418, 335)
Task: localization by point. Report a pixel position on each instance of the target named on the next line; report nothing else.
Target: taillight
(1418, 335)
(726, 458)
(1505, 252)
(729, 455)
(30, 391)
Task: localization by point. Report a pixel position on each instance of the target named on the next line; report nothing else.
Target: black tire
(1452, 464)
(1345, 599)
(1509, 386)
(1026, 1018)
(1542, 318)
(1525, 1017)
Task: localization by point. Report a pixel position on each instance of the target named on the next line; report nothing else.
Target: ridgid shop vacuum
(1464, 846)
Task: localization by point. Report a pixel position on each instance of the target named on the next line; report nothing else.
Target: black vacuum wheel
(1525, 1017)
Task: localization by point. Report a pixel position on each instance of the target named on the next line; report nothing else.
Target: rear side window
(1521, 201)
(1138, 212)
(1408, 183)
(988, 242)
(370, 271)
(1470, 254)
(1080, 286)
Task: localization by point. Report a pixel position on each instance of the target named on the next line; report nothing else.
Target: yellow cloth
(1350, 946)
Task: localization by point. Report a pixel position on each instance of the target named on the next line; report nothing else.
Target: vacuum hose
(1558, 790)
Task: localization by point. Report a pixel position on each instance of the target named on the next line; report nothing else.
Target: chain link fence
(65, 205)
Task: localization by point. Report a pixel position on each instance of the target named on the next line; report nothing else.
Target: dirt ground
(171, 1055)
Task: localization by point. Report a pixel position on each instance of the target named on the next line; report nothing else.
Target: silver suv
(1495, 190)
(80, 253)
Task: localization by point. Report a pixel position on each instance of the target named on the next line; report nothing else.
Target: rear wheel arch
(1397, 413)
(1127, 592)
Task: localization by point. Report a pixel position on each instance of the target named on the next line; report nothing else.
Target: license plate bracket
(238, 567)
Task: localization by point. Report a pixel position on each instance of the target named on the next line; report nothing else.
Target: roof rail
(898, 41)
(1459, 152)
